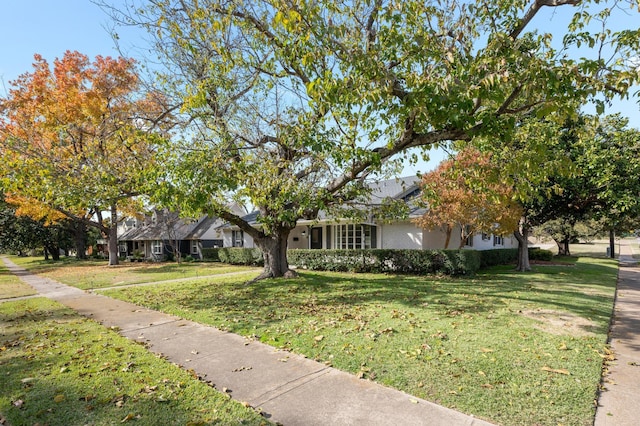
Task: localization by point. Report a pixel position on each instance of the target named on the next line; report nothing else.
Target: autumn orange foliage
(77, 137)
(466, 192)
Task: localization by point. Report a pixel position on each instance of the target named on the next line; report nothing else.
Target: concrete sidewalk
(288, 388)
(618, 404)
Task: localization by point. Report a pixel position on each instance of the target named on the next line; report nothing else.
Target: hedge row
(417, 262)
(211, 254)
(234, 255)
(506, 256)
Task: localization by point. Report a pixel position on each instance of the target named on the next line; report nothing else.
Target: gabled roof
(396, 189)
(168, 225)
(402, 188)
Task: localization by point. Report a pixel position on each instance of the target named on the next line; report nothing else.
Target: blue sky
(50, 27)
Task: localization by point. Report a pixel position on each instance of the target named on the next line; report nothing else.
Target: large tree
(566, 170)
(291, 105)
(76, 138)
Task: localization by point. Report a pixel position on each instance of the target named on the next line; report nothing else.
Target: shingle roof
(397, 188)
(168, 225)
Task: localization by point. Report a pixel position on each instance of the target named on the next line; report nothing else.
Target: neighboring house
(162, 234)
(333, 233)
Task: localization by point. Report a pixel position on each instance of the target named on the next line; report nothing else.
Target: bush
(498, 257)
(241, 256)
(540, 254)
(417, 262)
(211, 254)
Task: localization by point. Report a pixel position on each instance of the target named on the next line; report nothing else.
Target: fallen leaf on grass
(58, 398)
(556, 370)
(18, 403)
(129, 417)
(318, 338)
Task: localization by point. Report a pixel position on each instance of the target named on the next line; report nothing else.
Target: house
(163, 234)
(335, 233)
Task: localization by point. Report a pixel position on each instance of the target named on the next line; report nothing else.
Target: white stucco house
(335, 233)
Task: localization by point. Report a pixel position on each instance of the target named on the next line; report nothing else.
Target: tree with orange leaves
(77, 138)
(465, 192)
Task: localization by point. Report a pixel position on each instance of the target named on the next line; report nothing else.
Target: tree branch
(533, 10)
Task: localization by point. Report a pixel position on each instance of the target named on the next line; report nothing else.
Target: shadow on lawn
(47, 380)
(585, 291)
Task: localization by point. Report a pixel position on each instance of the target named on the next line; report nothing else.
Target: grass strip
(58, 368)
(11, 286)
(95, 274)
(512, 348)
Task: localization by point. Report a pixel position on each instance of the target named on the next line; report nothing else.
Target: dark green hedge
(506, 256)
(536, 253)
(498, 257)
(240, 256)
(211, 254)
(417, 262)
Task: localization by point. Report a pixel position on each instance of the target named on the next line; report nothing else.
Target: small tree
(466, 192)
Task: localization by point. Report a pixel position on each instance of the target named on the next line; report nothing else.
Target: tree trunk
(53, 250)
(612, 243)
(567, 250)
(563, 246)
(523, 249)
(80, 238)
(112, 238)
(448, 232)
(274, 251)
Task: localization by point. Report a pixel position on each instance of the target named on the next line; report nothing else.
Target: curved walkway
(289, 389)
(618, 403)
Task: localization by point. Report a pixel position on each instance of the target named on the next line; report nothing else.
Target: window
(486, 237)
(156, 247)
(237, 238)
(498, 240)
(353, 236)
(123, 247)
(194, 247)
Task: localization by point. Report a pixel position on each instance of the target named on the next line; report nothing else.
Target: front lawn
(58, 368)
(11, 286)
(90, 274)
(513, 348)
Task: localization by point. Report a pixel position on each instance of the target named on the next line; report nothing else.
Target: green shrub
(211, 254)
(498, 257)
(540, 254)
(241, 256)
(416, 262)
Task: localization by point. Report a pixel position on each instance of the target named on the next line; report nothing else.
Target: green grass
(513, 348)
(57, 368)
(11, 286)
(90, 274)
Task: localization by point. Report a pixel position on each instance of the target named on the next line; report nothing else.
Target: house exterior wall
(297, 240)
(508, 241)
(435, 239)
(228, 239)
(402, 235)
(211, 234)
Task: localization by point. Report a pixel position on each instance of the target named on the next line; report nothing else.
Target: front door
(316, 238)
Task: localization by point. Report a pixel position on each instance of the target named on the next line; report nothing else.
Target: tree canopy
(76, 139)
(468, 192)
(291, 105)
